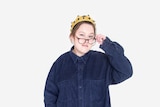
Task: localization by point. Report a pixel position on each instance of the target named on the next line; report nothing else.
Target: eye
(81, 34)
(91, 36)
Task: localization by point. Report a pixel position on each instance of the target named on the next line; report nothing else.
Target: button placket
(80, 82)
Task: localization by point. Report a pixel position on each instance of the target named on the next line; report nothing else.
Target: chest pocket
(97, 91)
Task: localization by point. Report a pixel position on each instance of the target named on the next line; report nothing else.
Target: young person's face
(83, 39)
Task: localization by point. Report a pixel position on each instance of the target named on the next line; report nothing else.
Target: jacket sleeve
(51, 90)
(121, 68)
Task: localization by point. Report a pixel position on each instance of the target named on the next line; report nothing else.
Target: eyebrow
(91, 35)
(84, 33)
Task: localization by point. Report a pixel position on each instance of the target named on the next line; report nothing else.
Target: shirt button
(80, 86)
(80, 98)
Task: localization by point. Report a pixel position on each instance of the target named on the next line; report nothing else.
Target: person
(81, 76)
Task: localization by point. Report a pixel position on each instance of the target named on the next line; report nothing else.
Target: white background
(33, 33)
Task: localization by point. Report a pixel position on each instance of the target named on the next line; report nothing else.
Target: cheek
(90, 46)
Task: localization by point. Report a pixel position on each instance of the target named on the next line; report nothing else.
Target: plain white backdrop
(34, 33)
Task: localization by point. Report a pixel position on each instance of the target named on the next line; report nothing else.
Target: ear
(71, 39)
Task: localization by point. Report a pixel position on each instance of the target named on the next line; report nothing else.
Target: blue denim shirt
(83, 81)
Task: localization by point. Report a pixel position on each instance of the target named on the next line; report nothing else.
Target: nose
(87, 40)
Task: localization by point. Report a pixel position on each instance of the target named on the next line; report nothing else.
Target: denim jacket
(83, 81)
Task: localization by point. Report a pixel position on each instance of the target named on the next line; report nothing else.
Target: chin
(84, 51)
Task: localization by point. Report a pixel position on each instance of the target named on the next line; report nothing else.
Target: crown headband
(81, 19)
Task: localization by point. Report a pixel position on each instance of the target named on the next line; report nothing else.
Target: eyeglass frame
(93, 39)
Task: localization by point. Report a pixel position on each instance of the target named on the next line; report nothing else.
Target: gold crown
(81, 19)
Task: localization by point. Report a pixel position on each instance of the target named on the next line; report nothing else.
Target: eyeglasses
(83, 40)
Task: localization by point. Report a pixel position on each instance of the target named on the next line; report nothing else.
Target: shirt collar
(75, 58)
